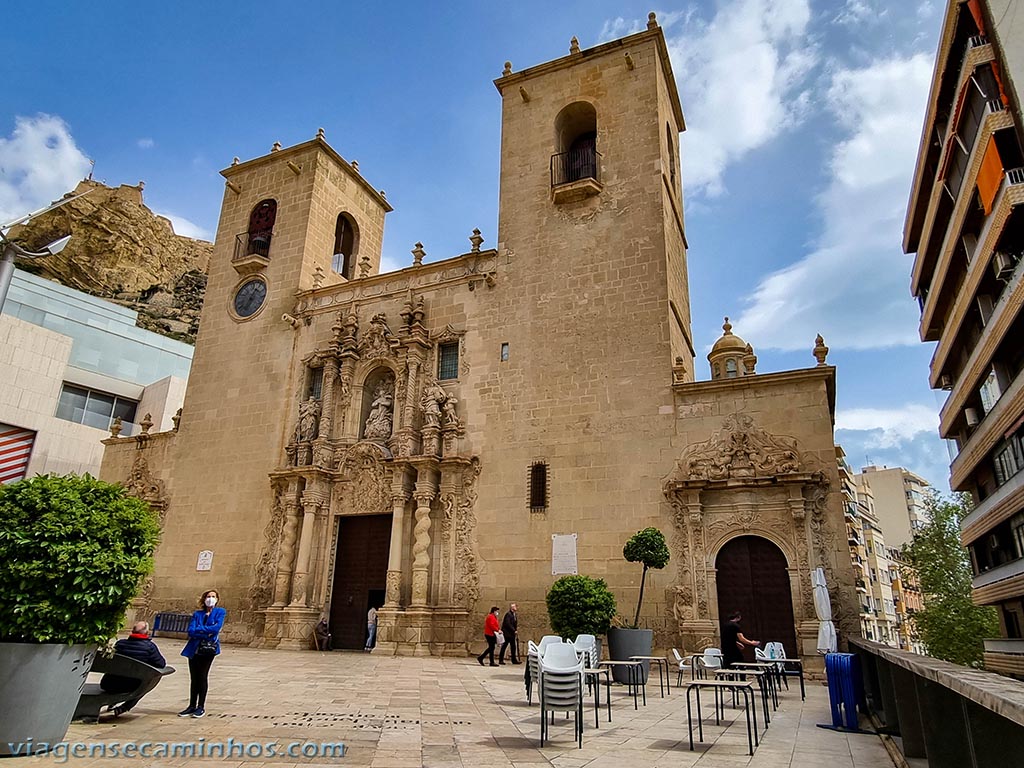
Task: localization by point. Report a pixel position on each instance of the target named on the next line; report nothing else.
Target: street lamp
(11, 249)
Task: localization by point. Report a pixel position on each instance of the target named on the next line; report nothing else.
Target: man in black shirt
(137, 646)
(733, 641)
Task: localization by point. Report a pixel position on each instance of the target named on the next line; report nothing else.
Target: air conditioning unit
(1003, 265)
(971, 415)
(945, 382)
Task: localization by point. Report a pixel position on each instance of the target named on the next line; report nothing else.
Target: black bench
(169, 622)
(94, 698)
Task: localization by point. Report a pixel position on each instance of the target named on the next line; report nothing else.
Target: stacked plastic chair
(561, 687)
(845, 688)
(586, 645)
(534, 652)
(775, 650)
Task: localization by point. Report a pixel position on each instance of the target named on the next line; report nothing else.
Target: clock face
(250, 297)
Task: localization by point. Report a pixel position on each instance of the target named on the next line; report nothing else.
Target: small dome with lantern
(731, 357)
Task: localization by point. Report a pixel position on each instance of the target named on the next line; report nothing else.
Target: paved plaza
(444, 713)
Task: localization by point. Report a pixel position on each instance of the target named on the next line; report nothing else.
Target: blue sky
(803, 121)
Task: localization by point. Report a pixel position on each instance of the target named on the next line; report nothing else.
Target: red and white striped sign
(15, 449)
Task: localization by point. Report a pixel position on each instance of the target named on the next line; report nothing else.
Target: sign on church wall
(563, 553)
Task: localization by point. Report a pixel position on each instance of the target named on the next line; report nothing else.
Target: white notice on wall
(205, 561)
(563, 553)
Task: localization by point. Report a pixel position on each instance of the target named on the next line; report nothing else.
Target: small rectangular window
(316, 383)
(448, 361)
(538, 486)
(95, 409)
(504, 352)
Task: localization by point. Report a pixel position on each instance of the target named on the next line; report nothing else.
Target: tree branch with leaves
(648, 547)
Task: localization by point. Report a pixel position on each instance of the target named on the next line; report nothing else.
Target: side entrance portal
(753, 579)
(360, 575)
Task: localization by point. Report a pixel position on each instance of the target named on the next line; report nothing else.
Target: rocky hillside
(120, 250)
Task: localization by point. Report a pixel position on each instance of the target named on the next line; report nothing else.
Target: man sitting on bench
(136, 646)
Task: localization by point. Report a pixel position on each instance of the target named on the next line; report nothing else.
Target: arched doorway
(752, 579)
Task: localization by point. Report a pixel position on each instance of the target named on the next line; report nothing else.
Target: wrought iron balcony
(252, 251)
(575, 174)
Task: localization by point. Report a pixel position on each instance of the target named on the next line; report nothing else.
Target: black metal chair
(94, 698)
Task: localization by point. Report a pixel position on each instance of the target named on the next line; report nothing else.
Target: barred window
(448, 361)
(315, 386)
(538, 486)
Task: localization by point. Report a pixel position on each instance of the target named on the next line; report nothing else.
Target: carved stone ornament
(740, 450)
(368, 485)
(261, 593)
(143, 485)
(467, 570)
(377, 341)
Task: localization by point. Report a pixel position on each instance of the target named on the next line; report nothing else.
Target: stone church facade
(415, 439)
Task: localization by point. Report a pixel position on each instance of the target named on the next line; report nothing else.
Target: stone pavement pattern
(394, 712)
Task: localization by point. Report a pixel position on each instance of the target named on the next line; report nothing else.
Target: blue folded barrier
(845, 688)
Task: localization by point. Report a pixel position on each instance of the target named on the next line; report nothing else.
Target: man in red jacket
(491, 629)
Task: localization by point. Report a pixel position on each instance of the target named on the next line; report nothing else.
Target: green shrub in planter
(74, 550)
(648, 547)
(580, 605)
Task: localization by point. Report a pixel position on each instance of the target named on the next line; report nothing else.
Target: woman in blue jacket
(202, 646)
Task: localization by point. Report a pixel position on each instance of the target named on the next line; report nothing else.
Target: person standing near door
(733, 641)
(371, 628)
(509, 628)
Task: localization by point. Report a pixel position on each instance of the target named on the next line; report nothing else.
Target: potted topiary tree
(74, 550)
(648, 547)
(580, 605)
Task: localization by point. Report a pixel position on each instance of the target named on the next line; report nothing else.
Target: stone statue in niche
(451, 419)
(379, 421)
(433, 398)
(309, 421)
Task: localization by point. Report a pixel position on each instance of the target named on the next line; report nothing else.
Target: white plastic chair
(775, 650)
(682, 664)
(561, 687)
(712, 659)
(587, 645)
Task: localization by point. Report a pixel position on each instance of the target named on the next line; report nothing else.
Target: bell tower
(591, 204)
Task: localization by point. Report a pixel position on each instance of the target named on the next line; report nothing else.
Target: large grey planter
(623, 643)
(41, 684)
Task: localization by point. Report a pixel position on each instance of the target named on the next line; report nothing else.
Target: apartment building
(899, 497)
(965, 226)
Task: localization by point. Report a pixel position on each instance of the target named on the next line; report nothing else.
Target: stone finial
(276, 147)
(146, 423)
(574, 45)
(749, 361)
(820, 350)
(364, 266)
(320, 133)
(318, 277)
(652, 20)
(355, 166)
(176, 418)
(417, 255)
(476, 239)
(382, 193)
(235, 160)
(727, 327)
(508, 69)
(115, 427)
(142, 185)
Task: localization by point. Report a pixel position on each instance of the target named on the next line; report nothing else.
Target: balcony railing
(575, 165)
(253, 244)
(942, 714)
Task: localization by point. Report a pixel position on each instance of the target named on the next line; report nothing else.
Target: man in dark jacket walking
(137, 646)
(509, 627)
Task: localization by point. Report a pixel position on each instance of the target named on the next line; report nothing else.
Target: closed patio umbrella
(823, 608)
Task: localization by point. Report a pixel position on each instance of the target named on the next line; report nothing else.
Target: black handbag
(206, 647)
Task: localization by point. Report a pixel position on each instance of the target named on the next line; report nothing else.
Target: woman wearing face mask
(202, 646)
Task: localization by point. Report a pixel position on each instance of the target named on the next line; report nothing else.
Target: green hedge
(580, 605)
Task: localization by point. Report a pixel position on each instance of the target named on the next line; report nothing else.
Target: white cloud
(39, 162)
(896, 424)
(145, 143)
(183, 226)
(742, 76)
(852, 287)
